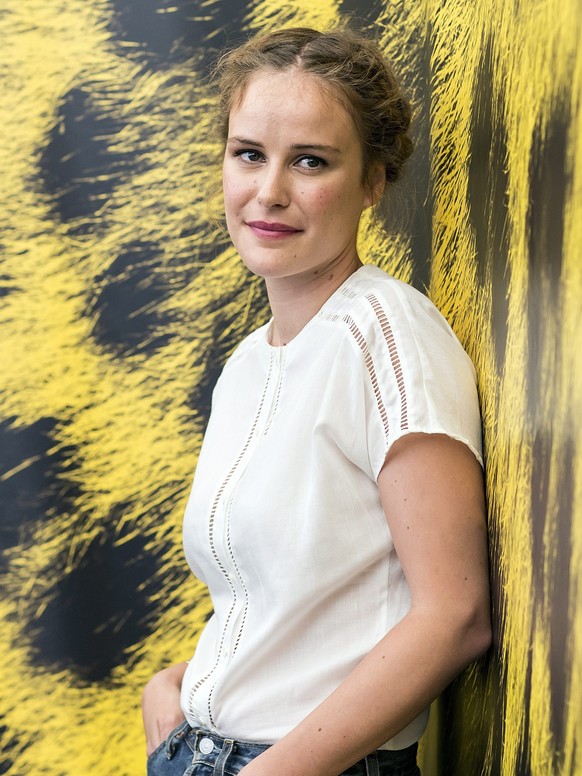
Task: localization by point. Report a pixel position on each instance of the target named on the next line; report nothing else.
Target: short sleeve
(417, 377)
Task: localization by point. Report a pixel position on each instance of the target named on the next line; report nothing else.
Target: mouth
(272, 229)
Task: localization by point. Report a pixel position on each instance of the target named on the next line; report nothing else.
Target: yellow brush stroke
(270, 14)
(570, 397)
(534, 48)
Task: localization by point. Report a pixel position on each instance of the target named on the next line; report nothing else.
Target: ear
(377, 186)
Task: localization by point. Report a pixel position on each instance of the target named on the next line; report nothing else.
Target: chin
(266, 268)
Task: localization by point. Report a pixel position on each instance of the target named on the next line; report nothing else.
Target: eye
(248, 155)
(310, 162)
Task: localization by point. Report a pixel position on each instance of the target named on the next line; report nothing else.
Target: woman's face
(292, 177)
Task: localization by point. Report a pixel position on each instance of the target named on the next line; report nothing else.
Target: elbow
(474, 631)
(479, 640)
(464, 626)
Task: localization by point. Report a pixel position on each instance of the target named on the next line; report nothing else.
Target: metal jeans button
(206, 745)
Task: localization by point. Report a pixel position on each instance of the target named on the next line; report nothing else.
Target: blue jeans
(192, 752)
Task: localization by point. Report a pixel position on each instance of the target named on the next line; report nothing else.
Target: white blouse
(284, 523)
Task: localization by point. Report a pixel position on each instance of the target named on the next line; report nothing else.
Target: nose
(273, 189)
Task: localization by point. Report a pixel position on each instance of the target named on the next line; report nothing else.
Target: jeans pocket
(166, 744)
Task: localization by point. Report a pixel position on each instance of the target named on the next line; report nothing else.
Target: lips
(272, 229)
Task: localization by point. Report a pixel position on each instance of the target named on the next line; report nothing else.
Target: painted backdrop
(120, 298)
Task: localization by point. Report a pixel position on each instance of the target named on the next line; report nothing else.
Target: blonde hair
(351, 63)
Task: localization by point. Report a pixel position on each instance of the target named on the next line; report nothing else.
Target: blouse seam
(214, 552)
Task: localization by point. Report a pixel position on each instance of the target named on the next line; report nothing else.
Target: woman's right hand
(160, 705)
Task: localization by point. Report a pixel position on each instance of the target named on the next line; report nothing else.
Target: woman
(337, 510)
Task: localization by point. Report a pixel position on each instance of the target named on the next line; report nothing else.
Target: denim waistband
(199, 751)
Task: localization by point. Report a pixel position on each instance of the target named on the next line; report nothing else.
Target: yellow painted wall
(120, 298)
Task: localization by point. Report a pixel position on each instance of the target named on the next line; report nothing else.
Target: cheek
(233, 193)
(323, 200)
(336, 204)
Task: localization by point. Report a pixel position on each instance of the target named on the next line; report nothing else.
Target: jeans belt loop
(372, 767)
(226, 751)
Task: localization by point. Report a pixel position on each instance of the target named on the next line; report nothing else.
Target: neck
(295, 300)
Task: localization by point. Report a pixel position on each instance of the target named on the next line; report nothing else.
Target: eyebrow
(295, 146)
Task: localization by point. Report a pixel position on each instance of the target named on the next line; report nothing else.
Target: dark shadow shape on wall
(488, 199)
(78, 166)
(362, 15)
(550, 182)
(6, 282)
(99, 609)
(126, 307)
(166, 32)
(8, 749)
(553, 574)
(36, 478)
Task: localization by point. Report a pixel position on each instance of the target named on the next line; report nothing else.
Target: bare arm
(160, 705)
(432, 493)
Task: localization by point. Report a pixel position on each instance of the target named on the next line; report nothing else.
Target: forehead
(295, 101)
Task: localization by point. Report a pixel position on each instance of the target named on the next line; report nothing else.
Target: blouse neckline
(266, 329)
